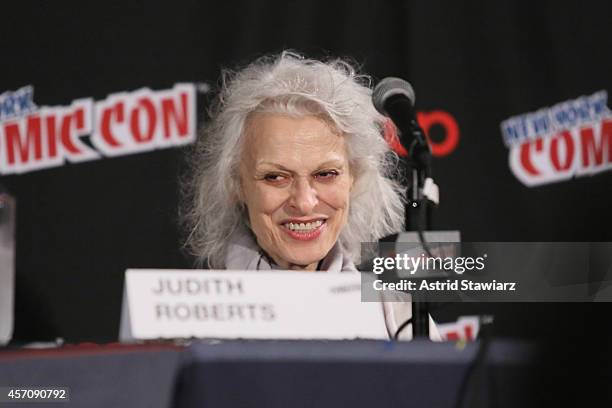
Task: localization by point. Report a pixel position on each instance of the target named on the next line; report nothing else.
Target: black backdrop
(81, 225)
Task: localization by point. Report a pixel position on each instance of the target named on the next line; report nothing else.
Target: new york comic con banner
(37, 137)
(570, 139)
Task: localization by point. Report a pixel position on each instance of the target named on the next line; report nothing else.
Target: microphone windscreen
(389, 87)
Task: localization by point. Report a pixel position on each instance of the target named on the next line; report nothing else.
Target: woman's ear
(351, 177)
(238, 195)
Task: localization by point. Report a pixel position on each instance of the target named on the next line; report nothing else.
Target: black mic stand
(417, 168)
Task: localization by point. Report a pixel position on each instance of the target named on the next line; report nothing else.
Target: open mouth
(304, 231)
(303, 227)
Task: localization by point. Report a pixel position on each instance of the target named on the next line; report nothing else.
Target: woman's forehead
(279, 124)
(285, 140)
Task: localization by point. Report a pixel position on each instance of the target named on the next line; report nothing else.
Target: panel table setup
(337, 352)
(272, 373)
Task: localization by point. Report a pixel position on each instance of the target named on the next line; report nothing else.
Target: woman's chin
(307, 261)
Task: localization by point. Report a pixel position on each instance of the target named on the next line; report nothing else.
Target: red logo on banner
(427, 121)
(123, 123)
(465, 328)
(571, 139)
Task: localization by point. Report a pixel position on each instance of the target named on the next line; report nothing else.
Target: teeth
(309, 226)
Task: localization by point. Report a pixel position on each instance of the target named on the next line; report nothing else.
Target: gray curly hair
(290, 84)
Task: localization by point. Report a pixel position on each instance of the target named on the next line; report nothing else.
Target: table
(107, 376)
(351, 374)
(243, 373)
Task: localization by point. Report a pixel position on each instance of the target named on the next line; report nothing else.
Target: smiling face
(295, 182)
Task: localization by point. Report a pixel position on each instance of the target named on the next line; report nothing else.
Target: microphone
(395, 98)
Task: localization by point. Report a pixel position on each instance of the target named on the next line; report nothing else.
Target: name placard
(246, 304)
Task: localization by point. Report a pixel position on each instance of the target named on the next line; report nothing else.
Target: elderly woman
(291, 172)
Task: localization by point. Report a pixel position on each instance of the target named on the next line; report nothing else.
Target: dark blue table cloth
(107, 376)
(352, 374)
(279, 374)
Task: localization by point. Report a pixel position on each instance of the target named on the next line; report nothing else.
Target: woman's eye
(327, 174)
(274, 178)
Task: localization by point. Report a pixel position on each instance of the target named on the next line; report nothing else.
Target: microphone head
(388, 87)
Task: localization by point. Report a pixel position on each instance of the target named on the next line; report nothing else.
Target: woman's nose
(303, 196)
